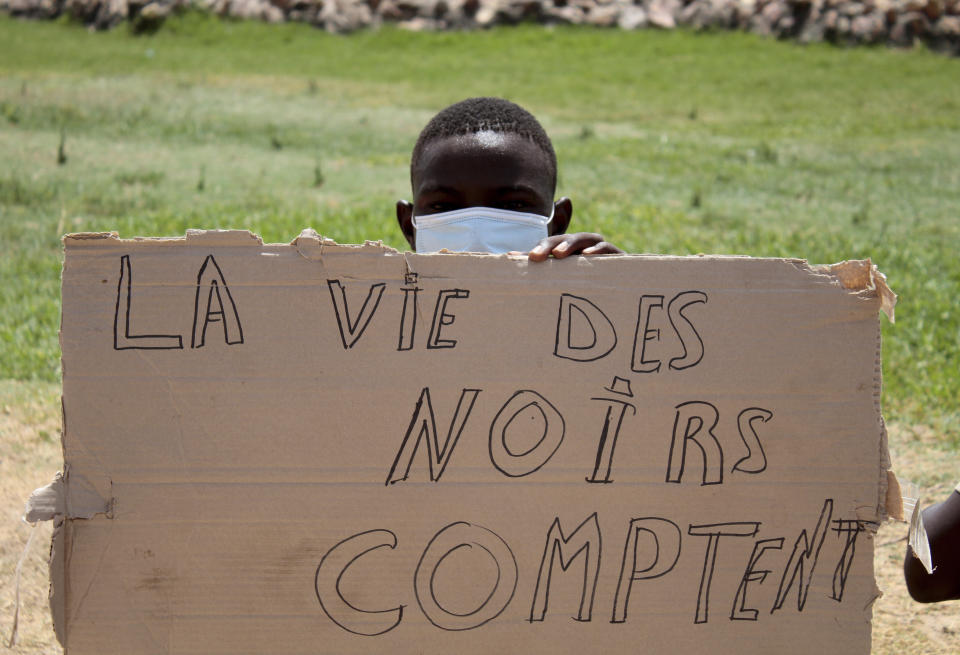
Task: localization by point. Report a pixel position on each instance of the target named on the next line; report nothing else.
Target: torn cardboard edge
(53, 503)
(47, 502)
(53, 500)
(859, 275)
(863, 275)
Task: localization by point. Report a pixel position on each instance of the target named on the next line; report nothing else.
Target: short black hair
(481, 115)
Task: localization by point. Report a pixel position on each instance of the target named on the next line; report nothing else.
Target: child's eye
(515, 205)
(438, 207)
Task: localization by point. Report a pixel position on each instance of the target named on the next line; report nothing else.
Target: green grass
(668, 142)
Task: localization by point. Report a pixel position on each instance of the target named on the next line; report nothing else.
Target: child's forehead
(483, 158)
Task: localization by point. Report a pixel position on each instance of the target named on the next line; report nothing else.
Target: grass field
(668, 142)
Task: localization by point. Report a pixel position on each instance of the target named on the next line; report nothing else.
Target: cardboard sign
(312, 448)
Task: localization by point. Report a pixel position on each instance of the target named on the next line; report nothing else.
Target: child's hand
(564, 245)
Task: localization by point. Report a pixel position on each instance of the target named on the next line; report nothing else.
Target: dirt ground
(30, 455)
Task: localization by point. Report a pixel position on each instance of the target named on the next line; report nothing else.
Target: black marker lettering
(688, 425)
(584, 539)
(805, 551)
(602, 339)
(755, 461)
(714, 532)
(519, 464)
(442, 319)
(689, 338)
(446, 541)
(666, 539)
(122, 339)
(351, 329)
(211, 282)
(740, 611)
(852, 529)
(410, 312)
(330, 572)
(639, 363)
(423, 427)
(608, 437)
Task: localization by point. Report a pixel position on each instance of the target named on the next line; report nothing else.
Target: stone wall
(903, 23)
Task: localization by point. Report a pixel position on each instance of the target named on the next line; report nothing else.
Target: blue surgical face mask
(480, 229)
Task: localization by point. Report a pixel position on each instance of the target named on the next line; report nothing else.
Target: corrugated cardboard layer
(236, 449)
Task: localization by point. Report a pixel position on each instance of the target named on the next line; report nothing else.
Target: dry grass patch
(29, 457)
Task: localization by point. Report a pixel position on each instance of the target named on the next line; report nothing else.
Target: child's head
(485, 153)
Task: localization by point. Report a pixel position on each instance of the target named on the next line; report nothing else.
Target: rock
(110, 13)
(155, 11)
(389, 10)
(344, 16)
(78, 10)
(35, 8)
(760, 25)
(774, 11)
(948, 26)
(454, 13)
(272, 14)
(945, 35)
(707, 14)
(304, 13)
(485, 14)
(148, 18)
(851, 9)
(689, 12)
(398, 10)
(660, 13)
(724, 13)
(420, 25)
(745, 10)
(909, 27)
(505, 12)
(932, 10)
(813, 29)
(603, 16)
(868, 28)
(632, 18)
(785, 26)
(830, 20)
(567, 14)
(898, 22)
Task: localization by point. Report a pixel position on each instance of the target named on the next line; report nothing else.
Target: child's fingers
(564, 245)
(542, 250)
(576, 243)
(602, 248)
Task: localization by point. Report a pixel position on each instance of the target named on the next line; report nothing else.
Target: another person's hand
(942, 522)
(564, 245)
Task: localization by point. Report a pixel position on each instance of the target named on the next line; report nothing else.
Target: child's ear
(562, 213)
(405, 221)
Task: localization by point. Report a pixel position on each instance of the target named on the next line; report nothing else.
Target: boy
(483, 174)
